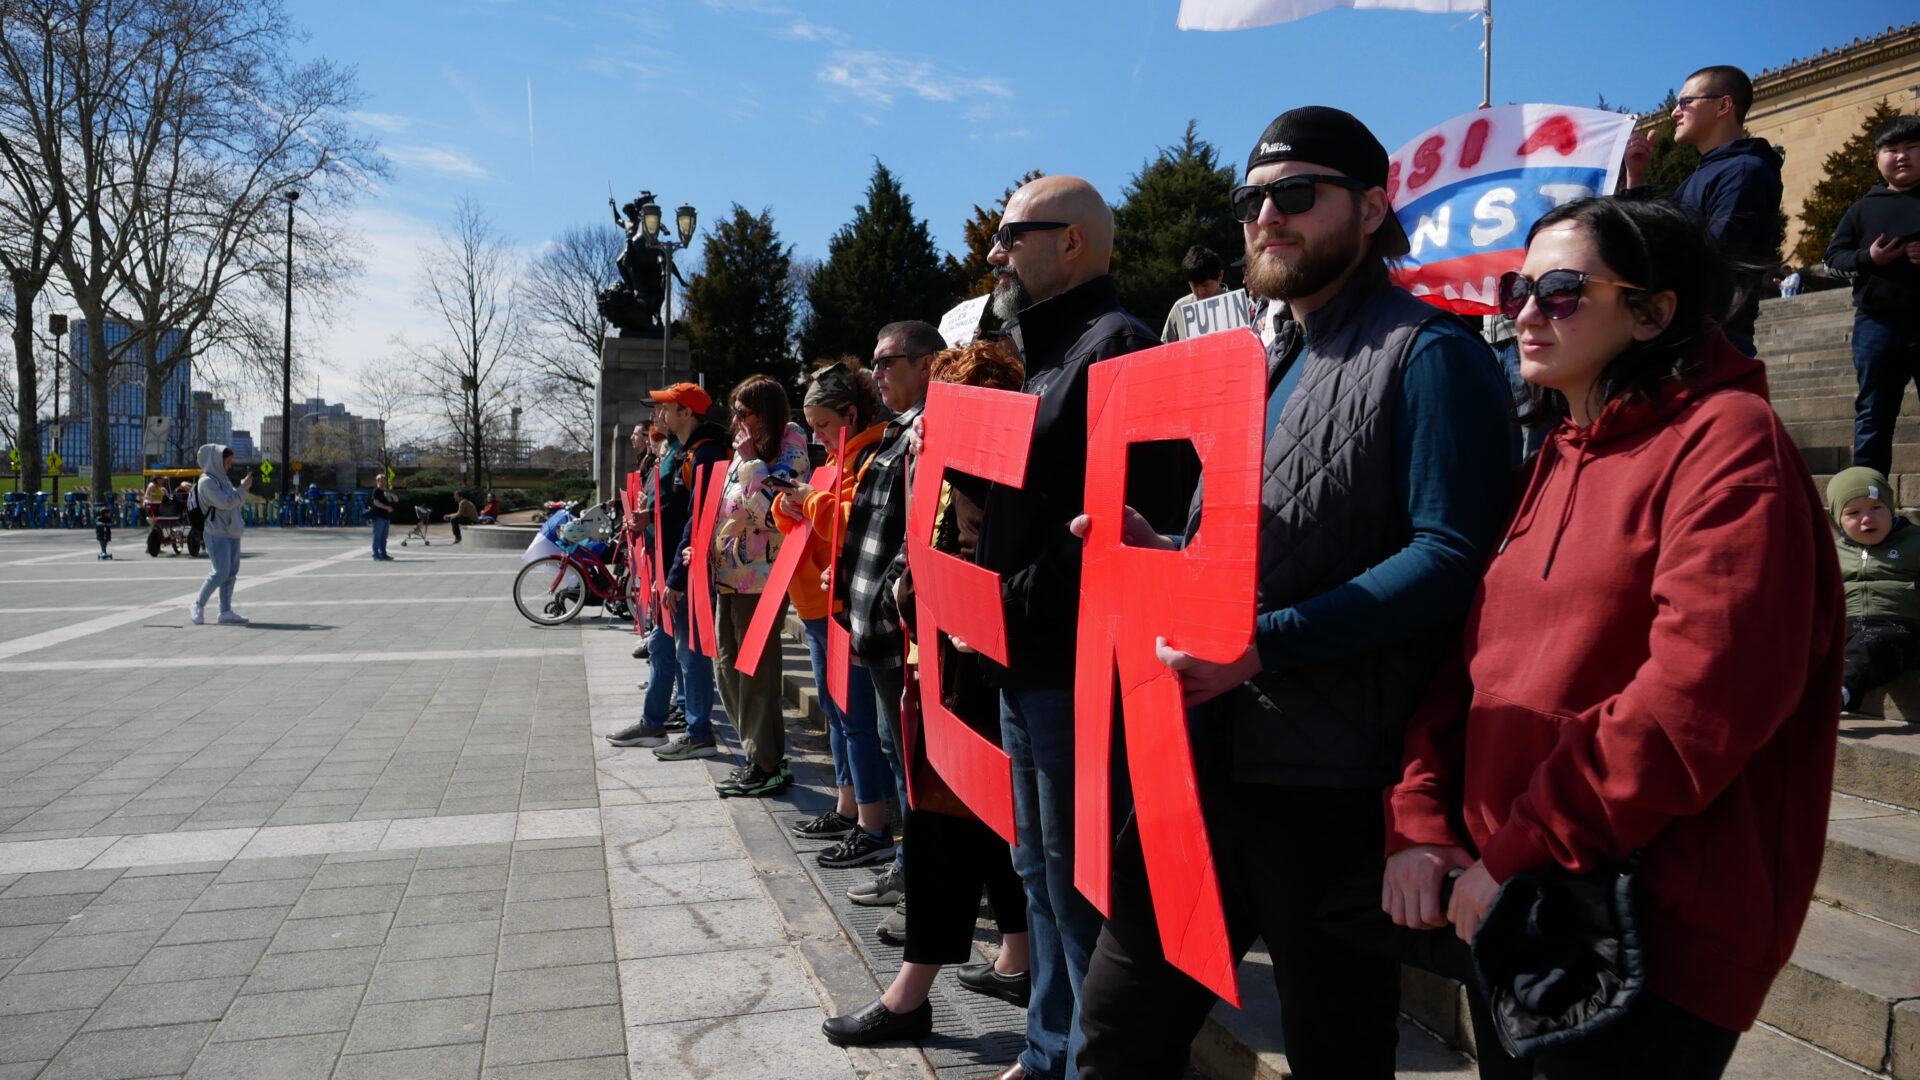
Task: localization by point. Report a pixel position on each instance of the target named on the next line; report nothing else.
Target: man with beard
(1384, 481)
(1052, 288)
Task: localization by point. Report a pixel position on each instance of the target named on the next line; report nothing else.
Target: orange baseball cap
(686, 393)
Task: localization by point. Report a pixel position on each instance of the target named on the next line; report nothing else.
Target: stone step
(1815, 407)
(1872, 862)
(1879, 759)
(1853, 989)
(1826, 300)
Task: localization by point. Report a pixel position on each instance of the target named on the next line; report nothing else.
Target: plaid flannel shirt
(876, 535)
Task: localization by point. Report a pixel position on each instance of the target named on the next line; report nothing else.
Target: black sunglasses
(1006, 232)
(1290, 194)
(1556, 291)
(882, 363)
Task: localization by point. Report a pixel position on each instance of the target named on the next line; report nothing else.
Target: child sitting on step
(1880, 564)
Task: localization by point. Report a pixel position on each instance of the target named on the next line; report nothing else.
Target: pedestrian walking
(221, 501)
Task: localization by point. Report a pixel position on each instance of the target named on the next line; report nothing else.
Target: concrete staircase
(1807, 343)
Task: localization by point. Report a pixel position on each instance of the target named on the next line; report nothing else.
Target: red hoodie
(1653, 664)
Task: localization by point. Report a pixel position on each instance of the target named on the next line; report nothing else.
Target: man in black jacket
(694, 444)
(1878, 243)
(1050, 260)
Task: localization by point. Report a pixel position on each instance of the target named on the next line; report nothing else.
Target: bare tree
(152, 135)
(467, 284)
(387, 392)
(560, 296)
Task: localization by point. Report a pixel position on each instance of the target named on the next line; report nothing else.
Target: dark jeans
(949, 860)
(1036, 730)
(1878, 651)
(1657, 1040)
(888, 686)
(456, 522)
(1276, 849)
(1886, 357)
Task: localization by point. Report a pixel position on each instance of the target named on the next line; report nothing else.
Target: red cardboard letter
(708, 485)
(985, 433)
(1201, 599)
(839, 642)
(793, 548)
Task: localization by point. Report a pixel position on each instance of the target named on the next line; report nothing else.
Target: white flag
(1242, 14)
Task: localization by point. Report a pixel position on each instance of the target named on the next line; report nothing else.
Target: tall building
(210, 421)
(242, 442)
(126, 401)
(324, 431)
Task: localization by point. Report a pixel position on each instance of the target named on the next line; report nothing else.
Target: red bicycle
(555, 589)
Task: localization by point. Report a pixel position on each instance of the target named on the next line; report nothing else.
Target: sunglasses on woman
(1556, 291)
(1290, 194)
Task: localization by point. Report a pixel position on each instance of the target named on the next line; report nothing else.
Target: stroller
(421, 515)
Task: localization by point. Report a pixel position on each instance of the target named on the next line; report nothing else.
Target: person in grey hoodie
(221, 502)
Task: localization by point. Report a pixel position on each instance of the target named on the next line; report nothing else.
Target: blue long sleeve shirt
(1453, 464)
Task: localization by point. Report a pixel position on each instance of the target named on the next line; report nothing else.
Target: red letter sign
(793, 548)
(985, 433)
(708, 485)
(1201, 599)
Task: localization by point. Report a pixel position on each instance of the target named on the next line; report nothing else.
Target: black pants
(1878, 651)
(948, 860)
(1277, 850)
(456, 522)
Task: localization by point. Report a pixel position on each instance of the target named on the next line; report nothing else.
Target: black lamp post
(684, 221)
(286, 367)
(57, 326)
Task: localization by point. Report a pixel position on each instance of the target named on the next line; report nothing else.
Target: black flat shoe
(874, 1024)
(982, 979)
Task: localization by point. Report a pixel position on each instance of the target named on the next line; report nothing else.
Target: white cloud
(807, 31)
(878, 78)
(437, 159)
(392, 123)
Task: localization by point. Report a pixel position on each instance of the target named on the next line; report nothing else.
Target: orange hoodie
(1652, 665)
(808, 595)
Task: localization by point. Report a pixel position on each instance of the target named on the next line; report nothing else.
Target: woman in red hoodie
(1653, 662)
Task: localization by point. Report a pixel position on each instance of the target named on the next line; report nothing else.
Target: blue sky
(787, 104)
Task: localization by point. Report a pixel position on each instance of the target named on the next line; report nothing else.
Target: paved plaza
(376, 834)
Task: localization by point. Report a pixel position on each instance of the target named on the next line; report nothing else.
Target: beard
(1010, 296)
(1315, 268)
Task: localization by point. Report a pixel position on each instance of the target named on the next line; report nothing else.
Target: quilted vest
(1329, 510)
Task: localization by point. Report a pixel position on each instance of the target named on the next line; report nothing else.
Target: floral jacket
(745, 537)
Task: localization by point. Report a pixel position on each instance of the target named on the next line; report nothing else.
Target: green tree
(739, 307)
(1851, 171)
(881, 267)
(972, 276)
(1178, 199)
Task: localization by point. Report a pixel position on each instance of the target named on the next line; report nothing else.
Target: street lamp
(57, 326)
(286, 367)
(685, 218)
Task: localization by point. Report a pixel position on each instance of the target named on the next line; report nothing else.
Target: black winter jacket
(1891, 291)
(1736, 189)
(1023, 534)
(673, 494)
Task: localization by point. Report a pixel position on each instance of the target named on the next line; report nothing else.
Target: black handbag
(1560, 958)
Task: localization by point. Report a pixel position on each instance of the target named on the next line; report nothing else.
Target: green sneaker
(683, 748)
(757, 783)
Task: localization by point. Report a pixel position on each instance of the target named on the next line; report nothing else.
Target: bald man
(1050, 261)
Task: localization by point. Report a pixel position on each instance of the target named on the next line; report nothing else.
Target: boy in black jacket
(1878, 243)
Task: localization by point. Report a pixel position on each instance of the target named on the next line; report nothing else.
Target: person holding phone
(221, 501)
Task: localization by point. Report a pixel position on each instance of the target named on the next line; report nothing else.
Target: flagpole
(1486, 47)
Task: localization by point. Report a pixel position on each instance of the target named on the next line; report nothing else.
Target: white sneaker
(232, 617)
(197, 614)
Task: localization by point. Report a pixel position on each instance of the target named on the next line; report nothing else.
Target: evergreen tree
(1178, 199)
(1851, 171)
(881, 267)
(972, 276)
(739, 307)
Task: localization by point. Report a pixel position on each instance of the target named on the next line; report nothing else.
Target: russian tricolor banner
(1468, 190)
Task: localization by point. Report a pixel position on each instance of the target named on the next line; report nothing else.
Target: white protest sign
(1227, 311)
(958, 326)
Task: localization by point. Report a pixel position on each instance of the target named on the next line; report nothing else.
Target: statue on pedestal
(633, 306)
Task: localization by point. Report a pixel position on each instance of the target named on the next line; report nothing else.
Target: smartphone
(781, 481)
